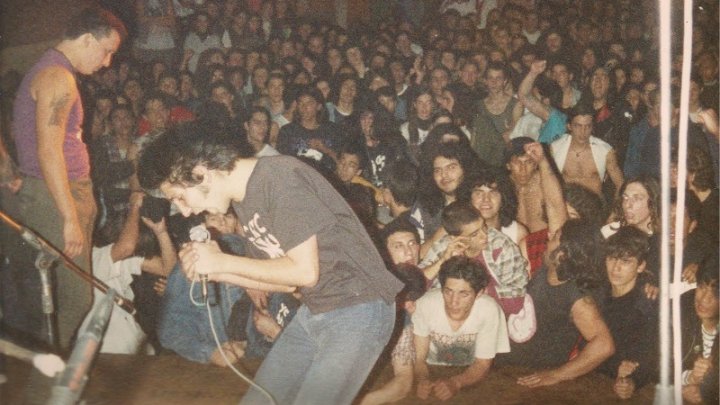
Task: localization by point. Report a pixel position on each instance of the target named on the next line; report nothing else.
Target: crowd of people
(504, 162)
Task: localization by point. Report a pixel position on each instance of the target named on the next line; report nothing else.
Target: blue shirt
(555, 126)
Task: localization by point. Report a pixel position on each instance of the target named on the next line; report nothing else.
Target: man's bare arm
(473, 374)
(55, 91)
(299, 267)
(613, 170)
(525, 95)
(554, 201)
(600, 346)
(422, 373)
(245, 282)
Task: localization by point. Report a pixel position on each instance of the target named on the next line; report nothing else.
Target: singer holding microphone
(301, 236)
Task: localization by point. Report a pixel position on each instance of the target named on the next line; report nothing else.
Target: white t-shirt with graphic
(482, 335)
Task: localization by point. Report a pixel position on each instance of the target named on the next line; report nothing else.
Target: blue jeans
(185, 328)
(324, 358)
(282, 307)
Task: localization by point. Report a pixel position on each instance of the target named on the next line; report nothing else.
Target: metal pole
(680, 203)
(663, 391)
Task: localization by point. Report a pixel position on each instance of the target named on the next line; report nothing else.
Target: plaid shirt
(501, 256)
(504, 260)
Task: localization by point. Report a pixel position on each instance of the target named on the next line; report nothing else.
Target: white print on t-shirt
(282, 314)
(258, 235)
(457, 350)
(379, 163)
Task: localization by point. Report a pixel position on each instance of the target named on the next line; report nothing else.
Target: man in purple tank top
(55, 198)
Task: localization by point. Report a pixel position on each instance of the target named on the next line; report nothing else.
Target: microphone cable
(252, 383)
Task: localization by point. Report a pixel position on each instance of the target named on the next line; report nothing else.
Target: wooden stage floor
(171, 380)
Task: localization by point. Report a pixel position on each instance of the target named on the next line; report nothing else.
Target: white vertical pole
(682, 177)
(663, 392)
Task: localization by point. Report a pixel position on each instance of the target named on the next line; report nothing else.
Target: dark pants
(36, 209)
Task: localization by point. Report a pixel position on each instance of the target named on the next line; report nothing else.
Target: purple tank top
(24, 112)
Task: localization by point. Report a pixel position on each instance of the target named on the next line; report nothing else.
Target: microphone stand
(47, 256)
(70, 384)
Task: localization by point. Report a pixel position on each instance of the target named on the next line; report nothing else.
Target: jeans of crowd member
(184, 327)
(280, 306)
(324, 358)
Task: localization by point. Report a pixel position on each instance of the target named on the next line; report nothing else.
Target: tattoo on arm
(57, 105)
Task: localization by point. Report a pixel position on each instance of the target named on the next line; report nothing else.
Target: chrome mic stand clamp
(44, 263)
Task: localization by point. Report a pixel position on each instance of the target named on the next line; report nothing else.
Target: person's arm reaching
(125, 245)
(614, 171)
(552, 190)
(599, 347)
(422, 373)
(446, 389)
(163, 265)
(534, 105)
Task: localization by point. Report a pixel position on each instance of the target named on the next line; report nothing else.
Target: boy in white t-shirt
(115, 262)
(469, 331)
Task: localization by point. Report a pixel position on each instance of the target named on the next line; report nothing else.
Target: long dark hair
(429, 195)
(581, 257)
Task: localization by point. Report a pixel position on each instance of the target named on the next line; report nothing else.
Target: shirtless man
(584, 159)
(540, 200)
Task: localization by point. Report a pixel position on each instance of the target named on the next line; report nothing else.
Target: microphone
(199, 233)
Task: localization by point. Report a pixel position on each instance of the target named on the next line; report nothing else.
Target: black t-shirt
(633, 323)
(287, 202)
(294, 140)
(556, 333)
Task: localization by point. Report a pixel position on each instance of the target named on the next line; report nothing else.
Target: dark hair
(627, 242)
(96, 21)
(401, 178)
(551, 90)
(435, 139)
(464, 268)
(463, 109)
(256, 109)
(214, 113)
(414, 280)
(584, 108)
(588, 204)
(699, 162)
(219, 84)
(693, 206)
(652, 187)
(290, 95)
(498, 66)
(157, 95)
(516, 148)
(386, 91)
(707, 273)
(337, 84)
(430, 195)
(458, 214)
(580, 260)
(174, 154)
(499, 180)
(351, 147)
(399, 224)
(310, 91)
